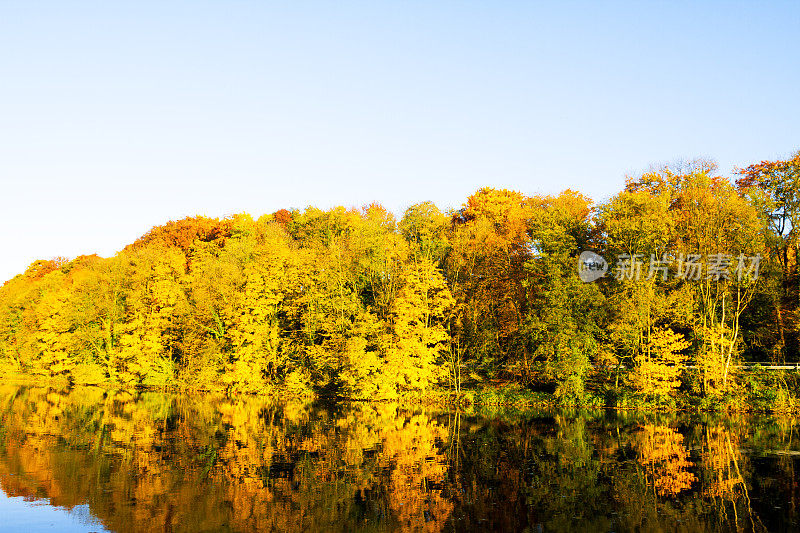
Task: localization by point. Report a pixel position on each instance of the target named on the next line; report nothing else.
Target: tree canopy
(350, 301)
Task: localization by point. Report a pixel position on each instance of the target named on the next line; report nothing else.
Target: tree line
(355, 303)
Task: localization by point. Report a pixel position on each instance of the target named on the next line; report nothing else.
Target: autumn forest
(480, 302)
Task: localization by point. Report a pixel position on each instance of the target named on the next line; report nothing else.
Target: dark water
(89, 460)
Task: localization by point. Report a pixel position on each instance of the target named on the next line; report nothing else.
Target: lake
(89, 459)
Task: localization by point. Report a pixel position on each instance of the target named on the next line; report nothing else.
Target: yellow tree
(419, 334)
(255, 332)
(657, 370)
(95, 313)
(425, 227)
(155, 305)
(724, 228)
(214, 287)
(54, 335)
(378, 253)
(715, 232)
(345, 283)
(639, 228)
(20, 342)
(63, 324)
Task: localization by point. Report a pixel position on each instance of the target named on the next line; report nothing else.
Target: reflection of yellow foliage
(665, 458)
(146, 461)
(220, 463)
(720, 458)
(411, 446)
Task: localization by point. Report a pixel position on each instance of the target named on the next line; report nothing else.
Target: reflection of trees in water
(723, 481)
(145, 461)
(660, 449)
(607, 471)
(415, 494)
(153, 461)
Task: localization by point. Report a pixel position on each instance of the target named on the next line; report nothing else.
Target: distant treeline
(354, 303)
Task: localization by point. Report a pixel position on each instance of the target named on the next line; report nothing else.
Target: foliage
(349, 302)
(658, 368)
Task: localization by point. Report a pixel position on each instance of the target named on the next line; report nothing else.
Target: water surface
(87, 459)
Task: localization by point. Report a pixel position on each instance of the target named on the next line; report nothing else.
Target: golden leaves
(662, 452)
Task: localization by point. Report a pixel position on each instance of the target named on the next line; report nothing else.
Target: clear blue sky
(117, 116)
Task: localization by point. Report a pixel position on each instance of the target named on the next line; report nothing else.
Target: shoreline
(508, 395)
